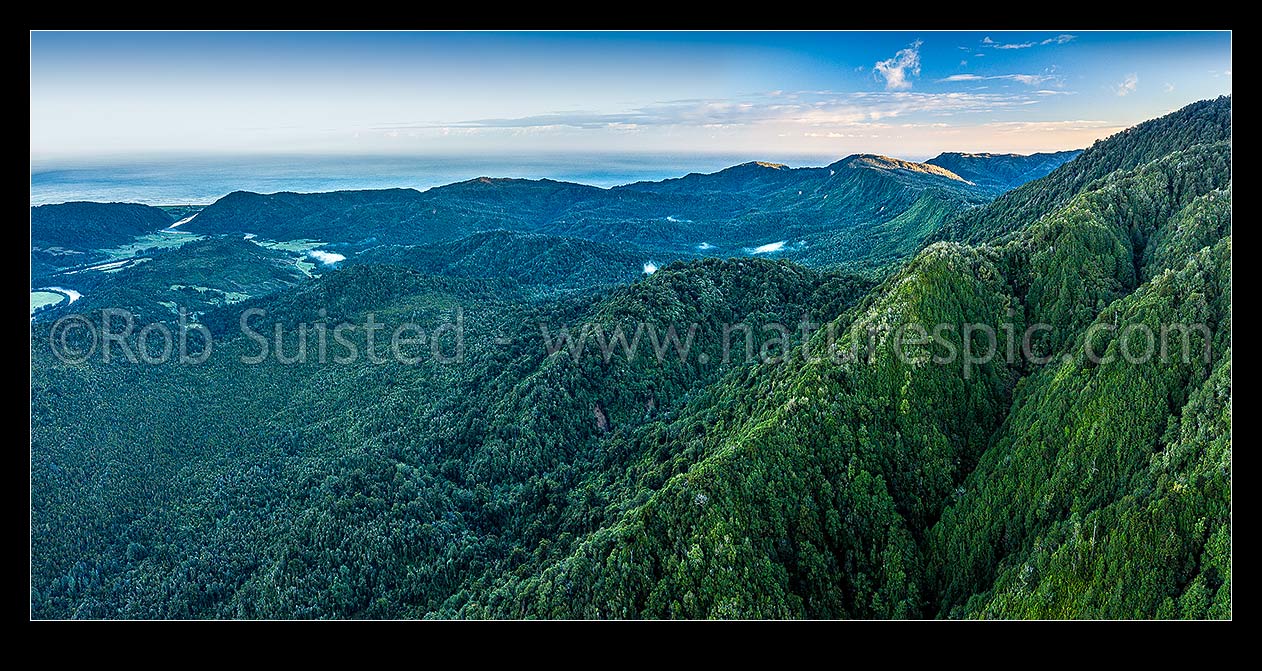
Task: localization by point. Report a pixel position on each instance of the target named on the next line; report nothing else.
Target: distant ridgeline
(850, 213)
(525, 483)
(1001, 172)
(838, 214)
(862, 214)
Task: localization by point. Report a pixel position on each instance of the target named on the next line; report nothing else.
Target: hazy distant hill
(1000, 172)
(746, 206)
(70, 234)
(862, 212)
(93, 225)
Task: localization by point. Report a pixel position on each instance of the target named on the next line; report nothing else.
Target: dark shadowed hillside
(88, 225)
(546, 260)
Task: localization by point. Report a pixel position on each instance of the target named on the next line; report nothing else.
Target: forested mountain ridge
(1205, 122)
(70, 234)
(759, 179)
(76, 225)
(742, 207)
(836, 476)
(501, 451)
(1108, 514)
(1080, 507)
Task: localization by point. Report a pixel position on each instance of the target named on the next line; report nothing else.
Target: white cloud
(769, 247)
(1128, 85)
(649, 267)
(804, 108)
(327, 258)
(898, 70)
(1059, 39)
(809, 121)
(1024, 127)
(1168, 87)
(1028, 80)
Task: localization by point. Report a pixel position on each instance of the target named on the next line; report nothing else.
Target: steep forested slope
(1108, 491)
(350, 489)
(806, 484)
(842, 490)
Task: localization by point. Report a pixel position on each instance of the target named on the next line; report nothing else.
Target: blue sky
(906, 94)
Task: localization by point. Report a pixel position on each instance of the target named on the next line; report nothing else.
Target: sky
(830, 94)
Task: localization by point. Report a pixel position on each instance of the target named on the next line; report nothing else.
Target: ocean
(197, 180)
